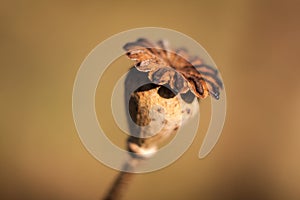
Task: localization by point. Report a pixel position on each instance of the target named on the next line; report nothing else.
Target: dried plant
(177, 81)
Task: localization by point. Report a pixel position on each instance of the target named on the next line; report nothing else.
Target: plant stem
(122, 181)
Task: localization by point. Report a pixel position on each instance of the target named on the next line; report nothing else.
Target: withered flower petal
(175, 69)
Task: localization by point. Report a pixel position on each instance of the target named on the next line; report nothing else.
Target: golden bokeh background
(254, 43)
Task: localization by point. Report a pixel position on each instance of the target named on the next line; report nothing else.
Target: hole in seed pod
(166, 93)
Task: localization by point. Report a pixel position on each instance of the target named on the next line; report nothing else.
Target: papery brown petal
(145, 60)
(198, 87)
(145, 43)
(146, 66)
(178, 61)
(177, 69)
(195, 81)
(140, 55)
(196, 61)
(209, 72)
(183, 53)
(212, 86)
(206, 68)
(140, 43)
(178, 83)
(163, 50)
(161, 76)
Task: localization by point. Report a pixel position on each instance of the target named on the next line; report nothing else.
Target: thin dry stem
(122, 181)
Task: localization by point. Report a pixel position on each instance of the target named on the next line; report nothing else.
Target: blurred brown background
(254, 43)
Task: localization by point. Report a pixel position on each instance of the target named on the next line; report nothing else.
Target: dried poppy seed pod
(163, 89)
(173, 80)
(158, 113)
